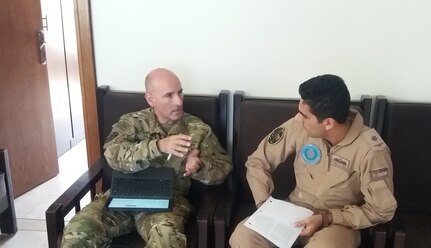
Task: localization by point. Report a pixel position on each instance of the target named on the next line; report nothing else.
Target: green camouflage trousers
(95, 227)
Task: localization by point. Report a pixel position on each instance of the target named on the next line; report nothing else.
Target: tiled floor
(30, 207)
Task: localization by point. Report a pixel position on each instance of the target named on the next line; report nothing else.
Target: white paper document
(275, 221)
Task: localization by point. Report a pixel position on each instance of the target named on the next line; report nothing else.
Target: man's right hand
(310, 225)
(177, 145)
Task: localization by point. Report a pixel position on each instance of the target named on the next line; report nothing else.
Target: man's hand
(193, 163)
(311, 225)
(177, 145)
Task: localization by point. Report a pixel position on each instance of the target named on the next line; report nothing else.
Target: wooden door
(73, 77)
(57, 74)
(26, 123)
(63, 73)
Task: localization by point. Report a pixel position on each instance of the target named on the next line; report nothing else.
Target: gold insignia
(276, 135)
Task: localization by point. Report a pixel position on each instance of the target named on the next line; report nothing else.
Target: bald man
(163, 136)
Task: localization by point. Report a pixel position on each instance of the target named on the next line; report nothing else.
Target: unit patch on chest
(340, 162)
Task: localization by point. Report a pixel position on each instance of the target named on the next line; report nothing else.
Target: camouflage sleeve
(215, 162)
(128, 150)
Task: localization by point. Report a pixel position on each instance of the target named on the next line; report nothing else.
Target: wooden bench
(406, 129)
(254, 118)
(212, 109)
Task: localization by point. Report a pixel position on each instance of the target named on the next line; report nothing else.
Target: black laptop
(149, 190)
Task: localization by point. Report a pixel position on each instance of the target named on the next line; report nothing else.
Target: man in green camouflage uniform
(162, 136)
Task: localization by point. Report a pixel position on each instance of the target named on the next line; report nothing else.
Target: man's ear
(149, 99)
(329, 123)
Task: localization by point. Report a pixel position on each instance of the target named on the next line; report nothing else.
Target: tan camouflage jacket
(131, 146)
(352, 180)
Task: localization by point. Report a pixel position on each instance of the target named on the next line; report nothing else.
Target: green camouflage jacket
(131, 146)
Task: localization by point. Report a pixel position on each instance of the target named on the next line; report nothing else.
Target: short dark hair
(328, 97)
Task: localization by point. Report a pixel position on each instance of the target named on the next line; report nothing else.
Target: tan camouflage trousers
(95, 227)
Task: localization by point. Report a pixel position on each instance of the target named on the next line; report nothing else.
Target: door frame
(87, 71)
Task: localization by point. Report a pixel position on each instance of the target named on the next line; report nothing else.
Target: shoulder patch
(122, 126)
(276, 135)
(111, 136)
(374, 140)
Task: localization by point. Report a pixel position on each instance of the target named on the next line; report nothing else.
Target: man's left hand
(193, 163)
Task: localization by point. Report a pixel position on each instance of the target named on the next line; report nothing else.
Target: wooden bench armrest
(68, 200)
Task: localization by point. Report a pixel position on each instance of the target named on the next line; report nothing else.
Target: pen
(169, 156)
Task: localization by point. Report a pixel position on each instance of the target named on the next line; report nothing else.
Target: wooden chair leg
(219, 233)
(203, 233)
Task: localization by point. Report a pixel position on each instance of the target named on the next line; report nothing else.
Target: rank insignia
(374, 140)
(310, 153)
(276, 135)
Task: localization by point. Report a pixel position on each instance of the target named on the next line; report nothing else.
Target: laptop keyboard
(137, 187)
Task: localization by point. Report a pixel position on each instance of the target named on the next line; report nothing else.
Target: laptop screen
(139, 203)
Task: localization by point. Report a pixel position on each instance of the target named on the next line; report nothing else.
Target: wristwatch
(325, 218)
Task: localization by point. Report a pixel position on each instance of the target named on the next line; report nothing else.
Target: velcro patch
(340, 162)
(122, 126)
(379, 174)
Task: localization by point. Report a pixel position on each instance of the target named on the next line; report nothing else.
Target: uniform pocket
(381, 196)
(345, 192)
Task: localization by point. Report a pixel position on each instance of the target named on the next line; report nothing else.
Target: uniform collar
(357, 124)
(155, 127)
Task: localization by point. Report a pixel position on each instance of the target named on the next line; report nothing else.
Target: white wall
(267, 48)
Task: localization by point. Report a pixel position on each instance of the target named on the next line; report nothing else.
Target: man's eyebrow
(302, 114)
(171, 93)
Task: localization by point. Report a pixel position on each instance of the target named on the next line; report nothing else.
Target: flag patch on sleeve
(379, 174)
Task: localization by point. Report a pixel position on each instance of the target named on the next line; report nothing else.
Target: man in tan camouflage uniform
(162, 135)
(343, 169)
